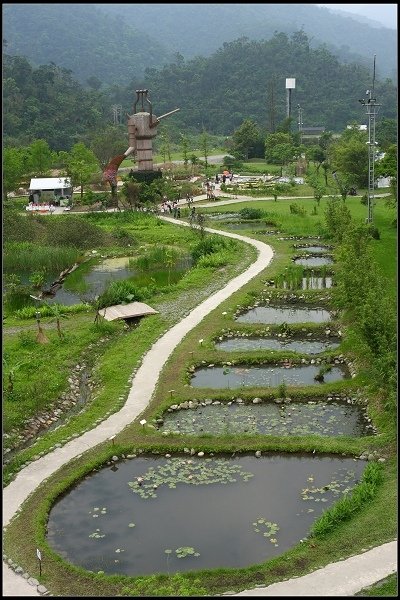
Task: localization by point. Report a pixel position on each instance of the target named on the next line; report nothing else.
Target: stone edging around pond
(335, 397)
(40, 589)
(39, 424)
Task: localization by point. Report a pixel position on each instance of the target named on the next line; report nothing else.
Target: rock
(41, 589)
(167, 456)
(19, 570)
(33, 581)
(381, 460)
(258, 453)
(200, 454)
(257, 400)
(115, 458)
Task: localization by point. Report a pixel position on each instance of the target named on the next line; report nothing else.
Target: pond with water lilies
(284, 314)
(269, 418)
(264, 376)
(236, 344)
(313, 261)
(163, 515)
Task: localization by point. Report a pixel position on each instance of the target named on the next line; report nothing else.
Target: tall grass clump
(29, 256)
(159, 257)
(29, 312)
(119, 292)
(343, 510)
(74, 231)
(208, 245)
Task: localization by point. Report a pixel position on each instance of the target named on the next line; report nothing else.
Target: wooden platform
(127, 311)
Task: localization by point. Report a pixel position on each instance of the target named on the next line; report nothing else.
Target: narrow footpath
(343, 578)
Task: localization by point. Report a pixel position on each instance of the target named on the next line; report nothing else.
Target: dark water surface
(221, 513)
(284, 314)
(314, 261)
(270, 376)
(263, 343)
(319, 418)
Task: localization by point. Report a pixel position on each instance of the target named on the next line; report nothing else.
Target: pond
(264, 343)
(314, 261)
(284, 314)
(311, 418)
(263, 376)
(87, 283)
(191, 513)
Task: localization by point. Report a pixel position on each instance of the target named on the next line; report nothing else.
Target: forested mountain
(218, 92)
(200, 29)
(115, 42)
(46, 103)
(242, 80)
(81, 38)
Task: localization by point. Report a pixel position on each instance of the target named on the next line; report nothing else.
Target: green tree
(386, 132)
(40, 158)
(279, 148)
(349, 155)
(245, 139)
(131, 192)
(344, 183)
(316, 154)
(185, 145)
(107, 143)
(387, 166)
(317, 187)
(13, 169)
(81, 164)
(205, 145)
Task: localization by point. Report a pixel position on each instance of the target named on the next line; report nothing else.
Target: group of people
(171, 207)
(225, 176)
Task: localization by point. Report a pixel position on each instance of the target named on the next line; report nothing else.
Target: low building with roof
(55, 189)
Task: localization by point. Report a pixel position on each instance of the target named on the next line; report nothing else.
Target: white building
(57, 189)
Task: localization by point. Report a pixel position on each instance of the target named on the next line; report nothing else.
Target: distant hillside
(81, 38)
(200, 29)
(219, 91)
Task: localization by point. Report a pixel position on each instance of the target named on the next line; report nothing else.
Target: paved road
(341, 578)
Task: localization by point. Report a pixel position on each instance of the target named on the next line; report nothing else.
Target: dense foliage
(79, 37)
(219, 92)
(46, 103)
(214, 94)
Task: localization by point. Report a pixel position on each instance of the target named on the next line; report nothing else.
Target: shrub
(75, 231)
(251, 213)
(208, 245)
(119, 292)
(296, 209)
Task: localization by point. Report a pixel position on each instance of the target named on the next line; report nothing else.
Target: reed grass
(27, 256)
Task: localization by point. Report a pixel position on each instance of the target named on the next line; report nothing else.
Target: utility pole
(290, 85)
(271, 105)
(372, 110)
(117, 113)
(300, 122)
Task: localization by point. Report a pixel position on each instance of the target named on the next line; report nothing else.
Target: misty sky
(384, 13)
